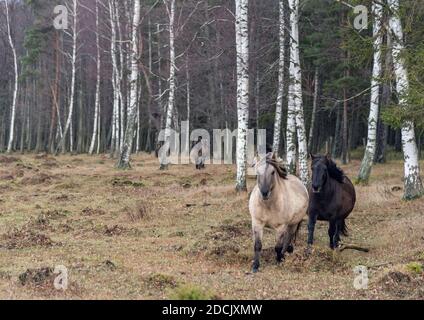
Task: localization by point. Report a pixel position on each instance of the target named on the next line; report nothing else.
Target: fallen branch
(343, 247)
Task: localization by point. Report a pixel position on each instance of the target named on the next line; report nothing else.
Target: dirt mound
(37, 277)
(42, 221)
(117, 182)
(227, 232)
(160, 281)
(8, 159)
(115, 230)
(20, 239)
(93, 212)
(38, 178)
(138, 213)
(7, 177)
(402, 285)
(49, 164)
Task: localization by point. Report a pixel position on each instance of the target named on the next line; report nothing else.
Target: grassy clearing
(150, 234)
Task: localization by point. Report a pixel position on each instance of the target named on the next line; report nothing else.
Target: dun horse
(279, 201)
(332, 198)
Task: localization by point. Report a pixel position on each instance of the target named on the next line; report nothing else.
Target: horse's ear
(312, 156)
(328, 157)
(274, 156)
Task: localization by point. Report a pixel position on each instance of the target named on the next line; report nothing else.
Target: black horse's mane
(333, 170)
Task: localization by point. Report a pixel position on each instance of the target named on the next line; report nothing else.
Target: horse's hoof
(290, 249)
(255, 270)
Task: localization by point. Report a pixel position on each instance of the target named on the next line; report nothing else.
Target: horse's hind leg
(258, 231)
(285, 236)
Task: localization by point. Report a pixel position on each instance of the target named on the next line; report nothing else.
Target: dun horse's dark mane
(279, 167)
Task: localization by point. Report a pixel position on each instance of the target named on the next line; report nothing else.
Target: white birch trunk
(15, 89)
(367, 161)
(115, 82)
(97, 99)
(298, 99)
(171, 97)
(280, 92)
(126, 148)
(242, 44)
(73, 75)
(291, 108)
(412, 181)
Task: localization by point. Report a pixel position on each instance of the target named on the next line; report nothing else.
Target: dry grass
(148, 234)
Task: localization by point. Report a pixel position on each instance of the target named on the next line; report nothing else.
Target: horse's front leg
(311, 229)
(258, 231)
(332, 233)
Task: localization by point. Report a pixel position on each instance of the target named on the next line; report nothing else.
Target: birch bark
(412, 180)
(242, 44)
(367, 161)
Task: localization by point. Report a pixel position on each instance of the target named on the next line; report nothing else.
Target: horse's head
(266, 175)
(319, 172)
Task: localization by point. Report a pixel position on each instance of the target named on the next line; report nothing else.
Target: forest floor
(150, 234)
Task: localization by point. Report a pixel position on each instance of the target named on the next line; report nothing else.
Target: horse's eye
(273, 172)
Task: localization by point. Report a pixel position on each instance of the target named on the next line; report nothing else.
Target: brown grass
(145, 233)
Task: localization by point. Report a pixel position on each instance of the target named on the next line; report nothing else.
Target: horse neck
(329, 187)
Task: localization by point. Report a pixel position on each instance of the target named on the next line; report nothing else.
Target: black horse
(332, 198)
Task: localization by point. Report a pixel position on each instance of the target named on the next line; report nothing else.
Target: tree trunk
(367, 161)
(413, 184)
(97, 99)
(242, 47)
(73, 74)
(126, 148)
(172, 67)
(15, 89)
(291, 108)
(280, 91)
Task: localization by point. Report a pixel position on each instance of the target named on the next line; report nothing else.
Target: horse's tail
(343, 228)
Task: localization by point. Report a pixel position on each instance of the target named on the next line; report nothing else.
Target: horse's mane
(279, 167)
(334, 171)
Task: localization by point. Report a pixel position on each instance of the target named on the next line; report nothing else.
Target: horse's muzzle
(266, 195)
(316, 190)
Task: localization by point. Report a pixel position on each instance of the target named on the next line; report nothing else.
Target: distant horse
(279, 201)
(199, 153)
(332, 198)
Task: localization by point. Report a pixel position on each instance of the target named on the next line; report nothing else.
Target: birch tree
(367, 161)
(170, 7)
(413, 187)
(74, 35)
(15, 88)
(126, 148)
(115, 80)
(297, 92)
(291, 107)
(97, 99)
(242, 46)
(280, 91)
